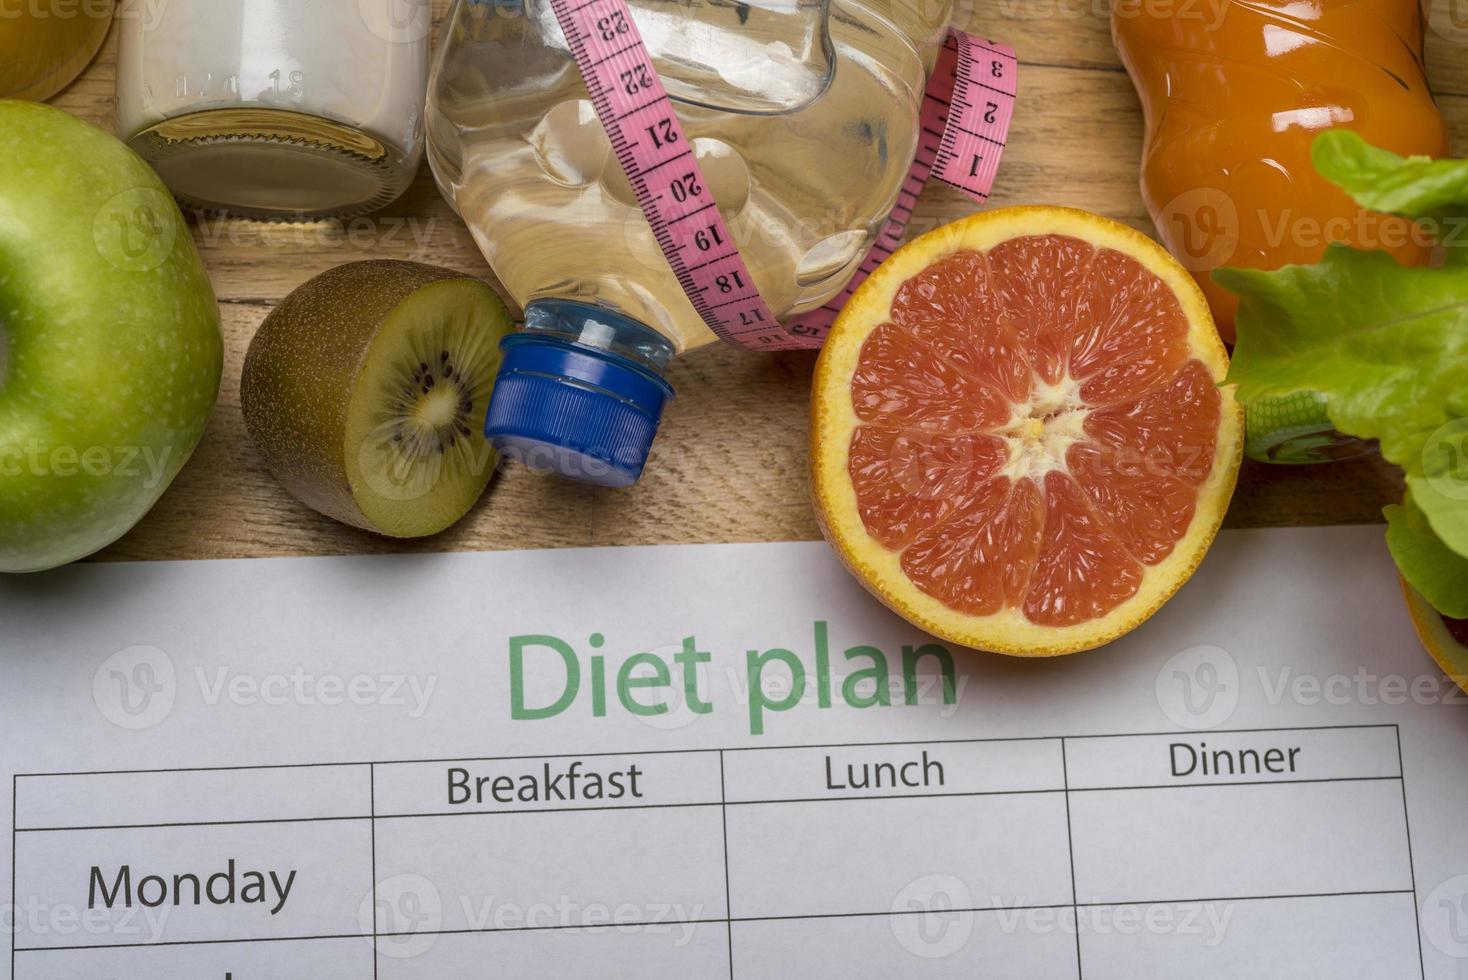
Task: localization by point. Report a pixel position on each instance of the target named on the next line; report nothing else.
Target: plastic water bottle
(804, 118)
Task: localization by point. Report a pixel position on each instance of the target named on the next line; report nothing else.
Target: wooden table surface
(731, 462)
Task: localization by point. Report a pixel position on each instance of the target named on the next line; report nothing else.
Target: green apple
(110, 350)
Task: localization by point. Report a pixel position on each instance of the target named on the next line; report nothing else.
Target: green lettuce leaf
(1385, 346)
(1441, 489)
(1415, 187)
(1433, 569)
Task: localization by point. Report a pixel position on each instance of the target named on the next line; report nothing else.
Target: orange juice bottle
(1235, 91)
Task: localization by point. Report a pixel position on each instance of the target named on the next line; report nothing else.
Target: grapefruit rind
(1450, 655)
(834, 422)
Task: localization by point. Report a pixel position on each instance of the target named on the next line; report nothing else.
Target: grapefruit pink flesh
(1034, 432)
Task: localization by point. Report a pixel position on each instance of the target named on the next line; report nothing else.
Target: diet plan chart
(729, 763)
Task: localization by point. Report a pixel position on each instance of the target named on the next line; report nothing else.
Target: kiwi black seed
(365, 392)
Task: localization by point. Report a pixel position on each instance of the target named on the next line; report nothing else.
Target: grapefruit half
(1019, 438)
(1446, 639)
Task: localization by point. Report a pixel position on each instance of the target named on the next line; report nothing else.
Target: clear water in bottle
(804, 117)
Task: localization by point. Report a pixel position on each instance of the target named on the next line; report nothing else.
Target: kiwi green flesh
(414, 448)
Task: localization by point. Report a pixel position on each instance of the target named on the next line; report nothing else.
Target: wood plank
(1077, 34)
(731, 464)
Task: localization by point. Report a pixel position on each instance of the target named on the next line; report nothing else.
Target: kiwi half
(365, 393)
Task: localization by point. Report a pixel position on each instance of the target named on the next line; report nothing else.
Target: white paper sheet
(313, 769)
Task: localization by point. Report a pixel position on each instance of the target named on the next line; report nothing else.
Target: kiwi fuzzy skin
(303, 367)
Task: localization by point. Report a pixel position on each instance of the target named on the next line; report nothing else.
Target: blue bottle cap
(562, 407)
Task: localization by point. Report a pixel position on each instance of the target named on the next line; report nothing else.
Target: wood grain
(731, 464)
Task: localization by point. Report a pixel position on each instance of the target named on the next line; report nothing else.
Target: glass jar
(45, 44)
(277, 109)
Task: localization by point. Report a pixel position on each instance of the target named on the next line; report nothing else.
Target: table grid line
(715, 920)
(1411, 861)
(1070, 847)
(698, 751)
(14, 839)
(728, 900)
(437, 814)
(729, 919)
(372, 806)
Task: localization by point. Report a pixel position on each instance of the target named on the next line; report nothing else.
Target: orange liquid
(1234, 94)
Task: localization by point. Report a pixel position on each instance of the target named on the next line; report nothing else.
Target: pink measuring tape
(967, 111)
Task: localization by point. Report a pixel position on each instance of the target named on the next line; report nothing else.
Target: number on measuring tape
(636, 79)
(687, 186)
(614, 24)
(708, 237)
(969, 119)
(664, 132)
